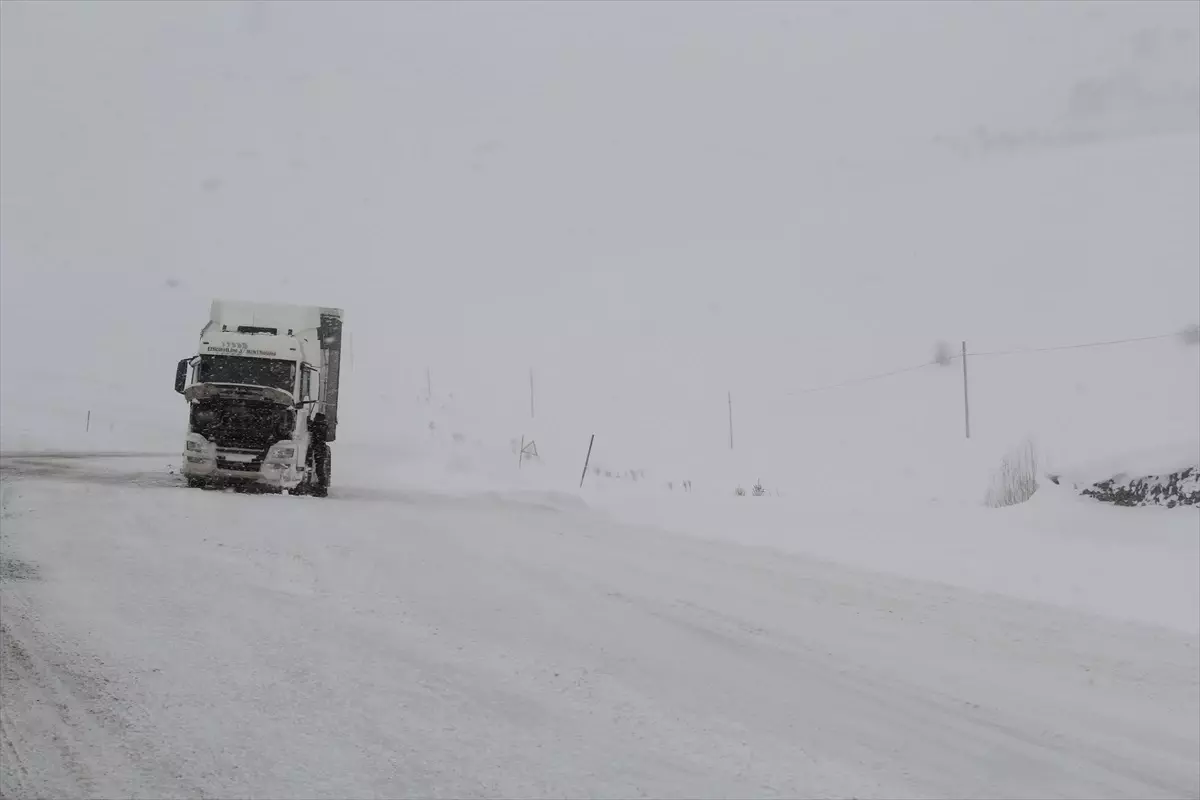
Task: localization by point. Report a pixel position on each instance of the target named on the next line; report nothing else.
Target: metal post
(587, 460)
(88, 425)
(731, 420)
(966, 395)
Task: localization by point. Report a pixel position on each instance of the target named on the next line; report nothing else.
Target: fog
(660, 200)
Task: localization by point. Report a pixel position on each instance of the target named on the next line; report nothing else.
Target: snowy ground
(831, 190)
(160, 641)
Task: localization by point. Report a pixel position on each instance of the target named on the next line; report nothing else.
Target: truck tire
(320, 487)
(306, 484)
(196, 483)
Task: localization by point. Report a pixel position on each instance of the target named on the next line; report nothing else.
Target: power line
(956, 356)
(1109, 343)
(865, 379)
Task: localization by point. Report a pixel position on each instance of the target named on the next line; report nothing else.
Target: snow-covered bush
(943, 354)
(1015, 481)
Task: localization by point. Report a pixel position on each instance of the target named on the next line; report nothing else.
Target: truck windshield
(273, 372)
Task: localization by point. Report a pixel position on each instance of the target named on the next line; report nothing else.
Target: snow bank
(1166, 475)
(1161, 459)
(1057, 548)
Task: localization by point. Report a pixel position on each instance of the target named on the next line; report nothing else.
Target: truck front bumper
(278, 476)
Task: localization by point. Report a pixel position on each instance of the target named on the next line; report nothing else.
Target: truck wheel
(195, 483)
(305, 485)
(320, 487)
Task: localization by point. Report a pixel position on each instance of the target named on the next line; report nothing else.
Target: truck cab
(262, 397)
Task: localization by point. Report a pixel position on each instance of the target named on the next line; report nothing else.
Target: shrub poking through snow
(943, 354)
(740, 492)
(1015, 481)
(1180, 488)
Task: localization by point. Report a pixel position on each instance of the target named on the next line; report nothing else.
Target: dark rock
(1180, 488)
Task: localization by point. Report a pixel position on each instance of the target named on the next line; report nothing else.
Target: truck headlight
(195, 447)
(282, 452)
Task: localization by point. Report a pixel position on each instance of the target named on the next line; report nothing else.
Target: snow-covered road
(159, 641)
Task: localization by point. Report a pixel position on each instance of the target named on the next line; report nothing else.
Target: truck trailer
(262, 394)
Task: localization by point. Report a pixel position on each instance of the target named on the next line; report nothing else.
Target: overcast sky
(488, 186)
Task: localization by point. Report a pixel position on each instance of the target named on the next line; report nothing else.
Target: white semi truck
(262, 397)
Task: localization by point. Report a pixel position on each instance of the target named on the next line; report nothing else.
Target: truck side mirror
(181, 370)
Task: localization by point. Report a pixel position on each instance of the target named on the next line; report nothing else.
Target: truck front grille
(239, 466)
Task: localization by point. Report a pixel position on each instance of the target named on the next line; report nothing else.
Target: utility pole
(731, 420)
(587, 460)
(966, 395)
